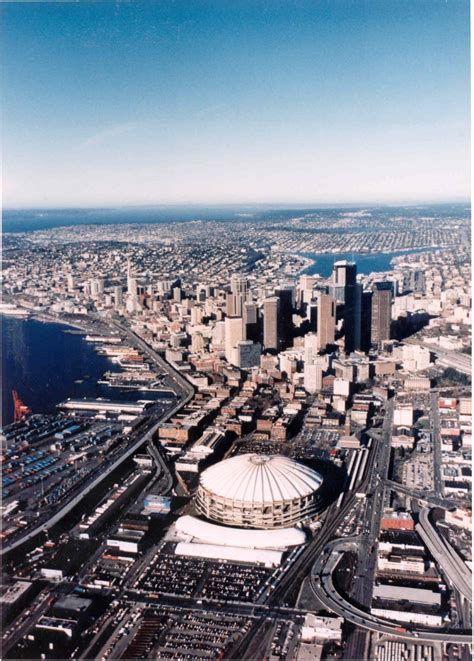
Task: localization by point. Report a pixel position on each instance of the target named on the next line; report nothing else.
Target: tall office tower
(251, 322)
(285, 317)
(177, 294)
(358, 317)
(234, 333)
(381, 313)
(197, 342)
(270, 323)
(95, 288)
(344, 288)
(313, 374)
(306, 286)
(312, 315)
(326, 320)
(237, 296)
(344, 275)
(197, 313)
(246, 354)
(70, 283)
(311, 347)
(131, 281)
(118, 296)
(366, 321)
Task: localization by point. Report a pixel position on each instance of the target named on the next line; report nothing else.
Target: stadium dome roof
(254, 478)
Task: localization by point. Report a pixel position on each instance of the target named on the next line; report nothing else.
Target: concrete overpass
(325, 591)
(449, 561)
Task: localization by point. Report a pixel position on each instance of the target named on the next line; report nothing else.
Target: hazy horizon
(204, 103)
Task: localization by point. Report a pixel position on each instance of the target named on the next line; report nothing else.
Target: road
(449, 561)
(301, 567)
(436, 440)
(361, 593)
(323, 586)
(424, 496)
(182, 386)
(446, 358)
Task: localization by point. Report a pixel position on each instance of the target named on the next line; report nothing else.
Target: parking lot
(168, 632)
(193, 577)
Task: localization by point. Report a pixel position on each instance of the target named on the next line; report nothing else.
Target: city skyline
(143, 104)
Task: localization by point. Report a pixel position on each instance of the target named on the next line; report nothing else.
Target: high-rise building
(237, 296)
(251, 322)
(271, 338)
(285, 295)
(366, 321)
(234, 333)
(131, 281)
(246, 354)
(381, 313)
(345, 290)
(118, 296)
(326, 320)
(313, 374)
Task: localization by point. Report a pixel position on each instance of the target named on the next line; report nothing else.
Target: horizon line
(222, 205)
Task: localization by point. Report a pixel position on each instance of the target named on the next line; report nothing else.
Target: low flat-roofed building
(317, 627)
(201, 531)
(15, 592)
(413, 595)
(407, 616)
(266, 557)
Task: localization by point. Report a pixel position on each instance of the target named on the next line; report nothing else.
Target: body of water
(46, 363)
(366, 262)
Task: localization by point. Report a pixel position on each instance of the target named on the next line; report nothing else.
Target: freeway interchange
(356, 609)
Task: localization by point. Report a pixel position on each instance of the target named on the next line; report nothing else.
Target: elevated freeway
(324, 589)
(445, 357)
(145, 436)
(449, 561)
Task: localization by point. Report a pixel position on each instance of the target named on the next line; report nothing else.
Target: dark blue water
(27, 220)
(42, 361)
(366, 263)
(39, 219)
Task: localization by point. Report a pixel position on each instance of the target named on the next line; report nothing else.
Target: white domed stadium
(259, 491)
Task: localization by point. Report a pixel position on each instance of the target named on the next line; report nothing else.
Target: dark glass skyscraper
(381, 313)
(346, 290)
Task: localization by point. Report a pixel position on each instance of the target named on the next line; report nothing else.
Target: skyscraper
(326, 320)
(237, 296)
(366, 321)
(251, 322)
(346, 291)
(381, 313)
(285, 295)
(233, 335)
(270, 323)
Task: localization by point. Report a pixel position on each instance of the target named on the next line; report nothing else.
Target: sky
(173, 102)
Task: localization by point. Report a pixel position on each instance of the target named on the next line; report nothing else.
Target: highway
(436, 440)
(363, 545)
(361, 593)
(323, 587)
(146, 437)
(446, 358)
(449, 561)
(334, 517)
(424, 496)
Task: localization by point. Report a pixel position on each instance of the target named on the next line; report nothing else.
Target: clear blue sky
(222, 102)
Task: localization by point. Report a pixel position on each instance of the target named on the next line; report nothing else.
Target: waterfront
(378, 262)
(48, 362)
